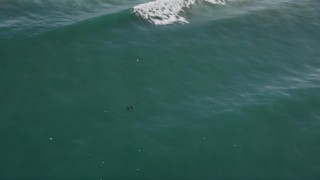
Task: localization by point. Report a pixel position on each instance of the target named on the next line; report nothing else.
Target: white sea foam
(162, 12)
(216, 1)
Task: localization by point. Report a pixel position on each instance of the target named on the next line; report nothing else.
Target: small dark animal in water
(130, 107)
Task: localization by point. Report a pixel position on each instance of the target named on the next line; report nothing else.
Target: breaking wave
(163, 12)
(35, 16)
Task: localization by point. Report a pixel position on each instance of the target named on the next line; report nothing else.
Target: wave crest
(163, 12)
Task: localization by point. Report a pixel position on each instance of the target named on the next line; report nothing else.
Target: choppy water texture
(197, 89)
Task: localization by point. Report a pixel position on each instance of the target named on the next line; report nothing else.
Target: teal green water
(234, 93)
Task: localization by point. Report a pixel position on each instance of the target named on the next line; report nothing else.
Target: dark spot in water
(130, 107)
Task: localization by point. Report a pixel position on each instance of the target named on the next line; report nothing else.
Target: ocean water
(169, 89)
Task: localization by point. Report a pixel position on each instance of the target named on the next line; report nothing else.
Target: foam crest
(222, 2)
(163, 12)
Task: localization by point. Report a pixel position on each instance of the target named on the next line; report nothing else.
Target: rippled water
(196, 89)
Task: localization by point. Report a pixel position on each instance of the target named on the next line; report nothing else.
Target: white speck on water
(102, 162)
(139, 150)
(50, 139)
(105, 110)
(138, 60)
(204, 138)
(234, 145)
(138, 169)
